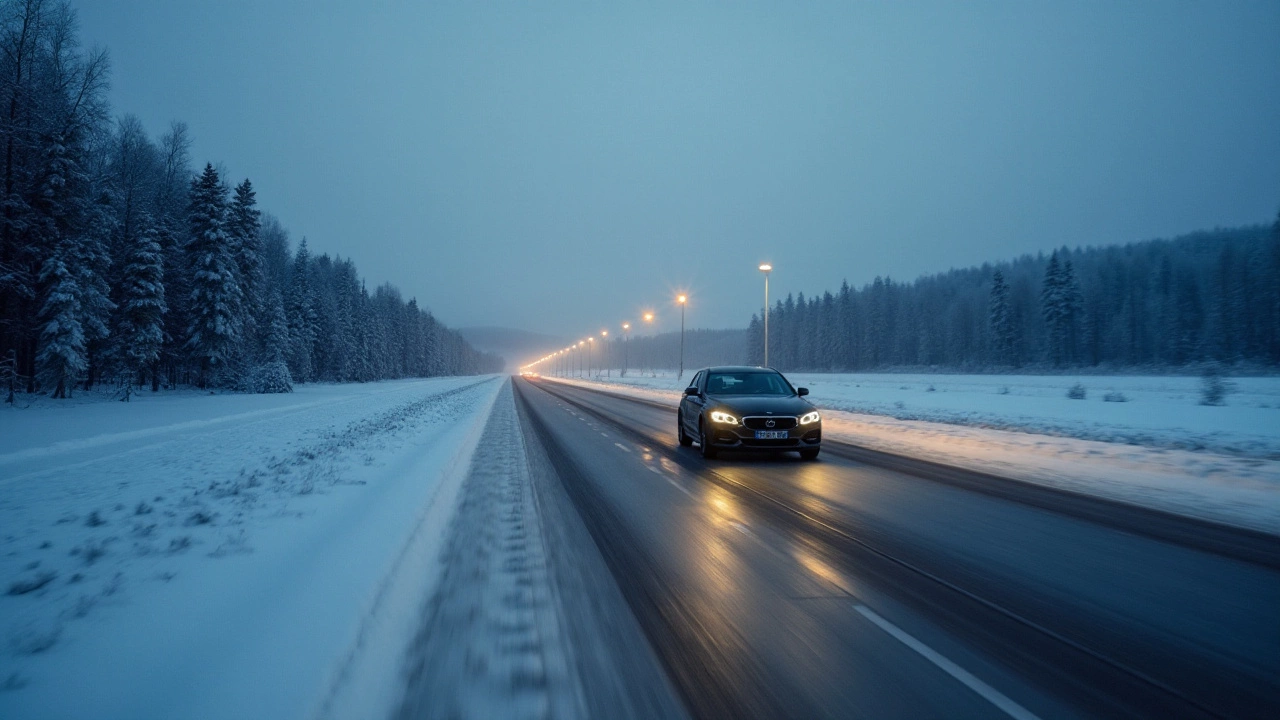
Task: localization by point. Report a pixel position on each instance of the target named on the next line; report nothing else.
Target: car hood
(751, 405)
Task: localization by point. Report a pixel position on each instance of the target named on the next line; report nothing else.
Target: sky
(561, 167)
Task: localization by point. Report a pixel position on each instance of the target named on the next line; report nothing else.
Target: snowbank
(1160, 449)
(226, 556)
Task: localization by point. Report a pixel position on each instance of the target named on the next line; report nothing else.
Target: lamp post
(648, 317)
(626, 345)
(590, 341)
(580, 344)
(683, 301)
(766, 268)
(604, 351)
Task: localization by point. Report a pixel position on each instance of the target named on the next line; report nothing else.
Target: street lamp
(580, 344)
(590, 341)
(648, 317)
(626, 344)
(608, 366)
(682, 300)
(766, 268)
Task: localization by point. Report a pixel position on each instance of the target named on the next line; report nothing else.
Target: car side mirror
(802, 391)
(690, 391)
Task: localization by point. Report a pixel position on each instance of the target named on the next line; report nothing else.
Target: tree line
(120, 264)
(1161, 304)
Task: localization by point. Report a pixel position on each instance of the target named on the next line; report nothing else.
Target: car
(753, 409)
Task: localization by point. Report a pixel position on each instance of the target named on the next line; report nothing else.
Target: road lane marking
(988, 693)
(678, 486)
(623, 447)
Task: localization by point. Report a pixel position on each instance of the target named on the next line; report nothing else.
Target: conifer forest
(122, 264)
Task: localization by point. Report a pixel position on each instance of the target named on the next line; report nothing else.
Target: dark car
(748, 409)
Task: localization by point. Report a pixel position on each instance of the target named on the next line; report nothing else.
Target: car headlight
(810, 418)
(723, 418)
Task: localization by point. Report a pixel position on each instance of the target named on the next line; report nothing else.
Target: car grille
(762, 423)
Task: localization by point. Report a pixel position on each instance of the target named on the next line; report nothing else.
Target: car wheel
(685, 440)
(809, 453)
(708, 452)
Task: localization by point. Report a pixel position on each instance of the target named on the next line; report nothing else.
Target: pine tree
(177, 286)
(1072, 308)
(139, 333)
(1053, 306)
(1001, 320)
(301, 317)
(216, 300)
(61, 359)
(244, 225)
(274, 330)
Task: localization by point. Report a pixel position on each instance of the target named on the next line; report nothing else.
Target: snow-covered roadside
(1153, 410)
(227, 563)
(1233, 489)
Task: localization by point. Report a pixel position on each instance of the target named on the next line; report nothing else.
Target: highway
(871, 586)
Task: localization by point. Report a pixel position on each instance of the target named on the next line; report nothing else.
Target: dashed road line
(623, 447)
(988, 693)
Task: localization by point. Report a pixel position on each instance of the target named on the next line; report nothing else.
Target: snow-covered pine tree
(274, 330)
(301, 317)
(139, 333)
(244, 224)
(92, 266)
(1001, 320)
(61, 359)
(214, 331)
(1073, 310)
(1053, 307)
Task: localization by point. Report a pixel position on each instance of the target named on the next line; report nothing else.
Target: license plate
(771, 434)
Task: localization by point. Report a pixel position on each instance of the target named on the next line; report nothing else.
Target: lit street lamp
(590, 341)
(766, 268)
(608, 366)
(626, 344)
(683, 301)
(648, 317)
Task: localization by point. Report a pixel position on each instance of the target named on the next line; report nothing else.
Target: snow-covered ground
(1160, 448)
(227, 556)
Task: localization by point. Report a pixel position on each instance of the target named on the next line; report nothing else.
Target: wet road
(847, 588)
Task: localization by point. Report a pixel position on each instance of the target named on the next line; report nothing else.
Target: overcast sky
(558, 167)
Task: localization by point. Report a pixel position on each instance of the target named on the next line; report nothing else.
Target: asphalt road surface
(864, 585)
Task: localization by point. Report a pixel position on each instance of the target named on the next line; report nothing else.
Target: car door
(692, 404)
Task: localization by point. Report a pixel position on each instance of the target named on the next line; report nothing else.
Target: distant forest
(1161, 304)
(119, 264)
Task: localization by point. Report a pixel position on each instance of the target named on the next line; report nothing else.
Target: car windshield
(747, 383)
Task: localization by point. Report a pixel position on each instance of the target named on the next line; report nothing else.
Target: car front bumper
(742, 438)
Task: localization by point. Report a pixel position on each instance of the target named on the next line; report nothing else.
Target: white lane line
(605, 434)
(623, 447)
(988, 693)
(675, 483)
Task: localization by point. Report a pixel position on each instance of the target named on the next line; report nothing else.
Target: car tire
(810, 453)
(708, 452)
(685, 440)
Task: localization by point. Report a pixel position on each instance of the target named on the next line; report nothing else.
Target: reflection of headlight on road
(808, 418)
(725, 418)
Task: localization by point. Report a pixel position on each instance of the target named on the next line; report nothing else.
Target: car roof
(739, 368)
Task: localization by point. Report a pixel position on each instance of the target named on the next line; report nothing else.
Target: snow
(226, 555)
(1160, 449)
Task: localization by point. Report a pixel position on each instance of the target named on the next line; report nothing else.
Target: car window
(747, 383)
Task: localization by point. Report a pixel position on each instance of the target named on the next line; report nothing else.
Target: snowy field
(1160, 448)
(227, 556)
